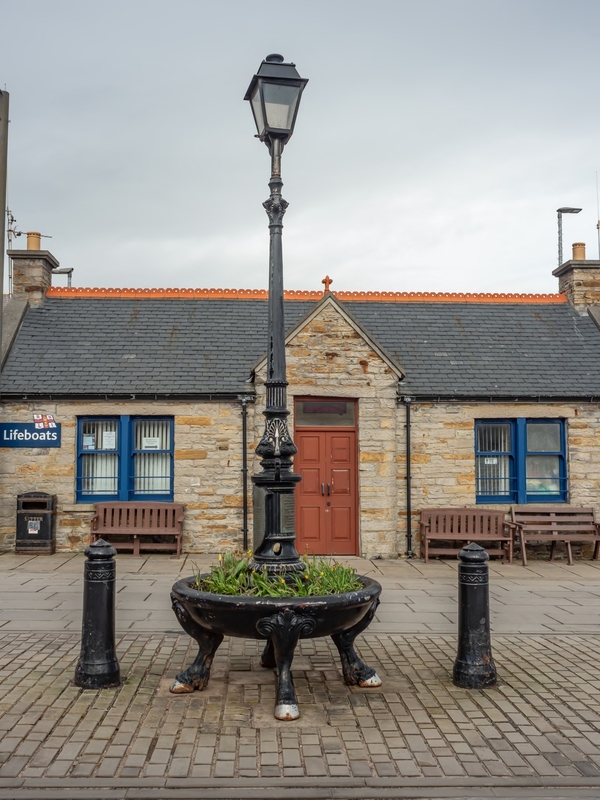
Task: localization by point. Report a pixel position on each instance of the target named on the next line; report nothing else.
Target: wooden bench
(131, 526)
(464, 525)
(554, 524)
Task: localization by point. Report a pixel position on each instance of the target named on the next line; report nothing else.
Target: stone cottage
(399, 401)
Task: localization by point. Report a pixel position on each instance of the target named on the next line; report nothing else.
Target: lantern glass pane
(257, 110)
(280, 105)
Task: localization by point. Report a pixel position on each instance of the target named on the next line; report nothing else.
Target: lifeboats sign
(28, 434)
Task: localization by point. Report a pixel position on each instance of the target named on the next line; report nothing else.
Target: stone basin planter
(281, 621)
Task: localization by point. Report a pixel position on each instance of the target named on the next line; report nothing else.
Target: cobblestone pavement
(536, 735)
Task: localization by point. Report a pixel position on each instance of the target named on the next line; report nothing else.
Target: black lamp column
(274, 95)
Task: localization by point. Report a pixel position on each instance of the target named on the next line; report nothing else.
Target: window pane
(543, 437)
(152, 473)
(543, 473)
(99, 470)
(330, 413)
(99, 473)
(152, 434)
(493, 475)
(152, 470)
(493, 463)
(99, 434)
(494, 437)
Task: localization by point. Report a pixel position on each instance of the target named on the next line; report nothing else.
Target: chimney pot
(34, 240)
(578, 251)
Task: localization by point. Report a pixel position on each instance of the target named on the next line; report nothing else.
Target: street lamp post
(274, 95)
(560, 212)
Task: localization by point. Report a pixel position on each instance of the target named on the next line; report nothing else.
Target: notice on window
(491, 461)
(150, 443)
(109, 440)
(89, 441)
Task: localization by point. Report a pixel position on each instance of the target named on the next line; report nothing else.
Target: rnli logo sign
(29, 434)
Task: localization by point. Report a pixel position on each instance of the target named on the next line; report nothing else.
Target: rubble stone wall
(328, 357)
(443, 451)
(207, 470)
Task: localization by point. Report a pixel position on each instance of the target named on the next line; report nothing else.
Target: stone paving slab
(44, 592)
(536, 735)
(542, 723)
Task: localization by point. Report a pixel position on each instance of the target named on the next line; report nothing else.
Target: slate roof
(177, 347)
(197, 347)
(488, 350)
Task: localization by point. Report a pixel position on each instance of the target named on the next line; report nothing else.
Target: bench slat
(565, 524)
(140, 522)
(464, 525)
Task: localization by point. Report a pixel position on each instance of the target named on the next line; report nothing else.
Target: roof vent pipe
(578, 251)
(34, 240)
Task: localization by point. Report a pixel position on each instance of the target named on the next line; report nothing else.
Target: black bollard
(98, 667)
(474, 666)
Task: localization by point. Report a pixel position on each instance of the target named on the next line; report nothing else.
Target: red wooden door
(326, 518)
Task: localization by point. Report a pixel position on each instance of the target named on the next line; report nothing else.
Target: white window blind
(152, 468)
(493, 466)
(100, 466)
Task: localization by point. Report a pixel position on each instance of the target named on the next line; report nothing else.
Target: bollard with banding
(98, 667)
(474, 666)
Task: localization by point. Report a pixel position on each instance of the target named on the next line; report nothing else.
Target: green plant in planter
(234, 576)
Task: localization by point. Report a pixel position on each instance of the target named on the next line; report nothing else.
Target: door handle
(323, 489)
(328, 489)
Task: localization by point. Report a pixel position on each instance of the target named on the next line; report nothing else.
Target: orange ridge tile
(297, 294)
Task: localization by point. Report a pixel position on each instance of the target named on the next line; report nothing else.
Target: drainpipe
(3, 173)
(409, 554)
(244, 401)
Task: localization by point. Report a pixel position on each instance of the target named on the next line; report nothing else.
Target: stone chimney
(32, 270)
(579, 279)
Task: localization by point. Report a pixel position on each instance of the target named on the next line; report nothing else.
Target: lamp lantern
(274, 94)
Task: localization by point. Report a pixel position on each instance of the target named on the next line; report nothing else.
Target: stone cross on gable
(327, 281)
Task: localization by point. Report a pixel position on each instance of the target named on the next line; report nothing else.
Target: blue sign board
(25, 434)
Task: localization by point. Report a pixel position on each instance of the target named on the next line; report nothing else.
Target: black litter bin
(35, 522)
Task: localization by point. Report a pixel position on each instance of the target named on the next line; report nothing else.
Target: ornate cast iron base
(197, 675)
(356, 672)
(282, 622)
(283, 631)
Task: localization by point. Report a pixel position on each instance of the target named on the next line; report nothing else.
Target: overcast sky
(434, 142)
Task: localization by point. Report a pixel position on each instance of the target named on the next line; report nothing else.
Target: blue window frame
(124, 458)
(520, 461)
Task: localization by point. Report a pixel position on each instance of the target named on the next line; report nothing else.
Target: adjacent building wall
(329, 357)
(207, 469)
(443, 450)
